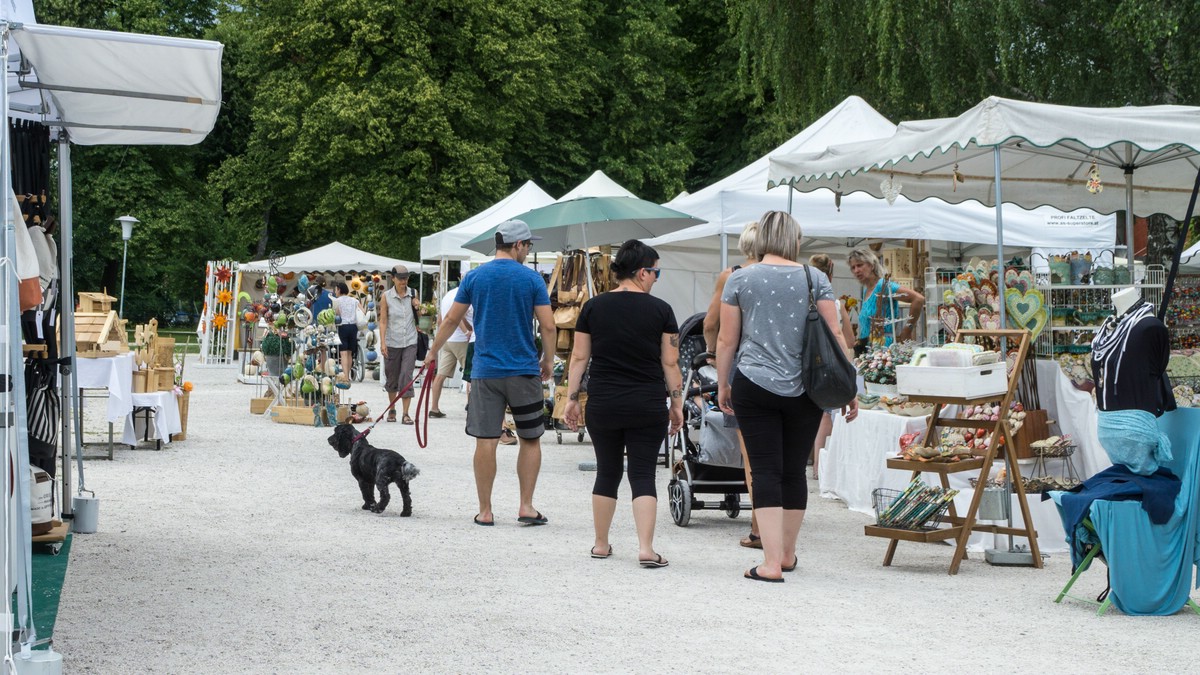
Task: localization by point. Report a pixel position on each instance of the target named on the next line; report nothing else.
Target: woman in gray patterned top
(762, 317)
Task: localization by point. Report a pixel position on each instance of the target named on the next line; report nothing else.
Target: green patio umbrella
(593, 221)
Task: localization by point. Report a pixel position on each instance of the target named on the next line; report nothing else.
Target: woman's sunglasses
(657, 271)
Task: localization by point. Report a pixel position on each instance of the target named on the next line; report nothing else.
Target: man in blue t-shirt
(506, 370)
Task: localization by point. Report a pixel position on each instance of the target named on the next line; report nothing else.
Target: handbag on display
(568, 288)
(829, 378)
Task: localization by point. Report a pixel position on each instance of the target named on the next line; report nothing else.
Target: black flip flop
(755, 576)
(755, 541)
(652, 564)
(793, 567)
(602, 557)
(539, 519)
(436, 413)
(483, 522)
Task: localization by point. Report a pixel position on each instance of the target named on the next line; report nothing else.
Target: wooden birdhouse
(95, 302)
(99, 331)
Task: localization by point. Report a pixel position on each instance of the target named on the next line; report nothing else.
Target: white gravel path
(243, 549)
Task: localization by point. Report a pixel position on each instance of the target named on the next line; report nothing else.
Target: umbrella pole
(724, 250)
(587, 265)
(1129, 250)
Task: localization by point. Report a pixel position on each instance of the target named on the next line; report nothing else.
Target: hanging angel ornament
(1094, 184)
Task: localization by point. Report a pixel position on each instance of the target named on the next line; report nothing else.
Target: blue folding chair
(1151, 568)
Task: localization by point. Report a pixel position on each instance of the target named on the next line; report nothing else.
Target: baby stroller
(704, 457)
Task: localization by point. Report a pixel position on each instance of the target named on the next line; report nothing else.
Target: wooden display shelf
(925, 536)
(1000, 436)
(56, 534)
(935, 467)
(991, 398)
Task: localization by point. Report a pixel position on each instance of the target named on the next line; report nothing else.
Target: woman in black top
(632, 341)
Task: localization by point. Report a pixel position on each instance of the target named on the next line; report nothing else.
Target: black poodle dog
(374, 468)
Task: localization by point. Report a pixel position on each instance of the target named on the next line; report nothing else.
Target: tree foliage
(377, 122)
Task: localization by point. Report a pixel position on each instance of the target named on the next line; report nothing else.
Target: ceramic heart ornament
(988, 319)
(964, 297)
(951, 317)
(986, 295)
(970, 319)
(1021, 280)
(1026, 310)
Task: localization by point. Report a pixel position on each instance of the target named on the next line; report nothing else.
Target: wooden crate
(163, 379)
(259, 405)
(287, 414)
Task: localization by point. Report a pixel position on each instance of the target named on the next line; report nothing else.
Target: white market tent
(1028, 154)
(1145, 158)
(597, 185)
(694, 256)
(91, 88)
(447, 244)
(335, 257)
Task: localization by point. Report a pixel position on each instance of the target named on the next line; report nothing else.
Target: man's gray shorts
(489, 398)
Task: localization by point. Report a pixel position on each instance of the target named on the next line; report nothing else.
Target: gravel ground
(244, 549)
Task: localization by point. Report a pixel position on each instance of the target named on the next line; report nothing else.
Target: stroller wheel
(679, 495)
(733, 505)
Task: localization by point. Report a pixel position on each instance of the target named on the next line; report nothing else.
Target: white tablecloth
(854, 461)
(166, 417)
(114, 373)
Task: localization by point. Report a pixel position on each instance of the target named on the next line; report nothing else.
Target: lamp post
(126, 232)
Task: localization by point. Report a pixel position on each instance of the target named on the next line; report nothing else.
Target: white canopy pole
(587, 264)
(1000, 241)
(72, 423)
(724, 250)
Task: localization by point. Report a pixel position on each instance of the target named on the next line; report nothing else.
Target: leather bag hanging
(572, 291)
(828, 376)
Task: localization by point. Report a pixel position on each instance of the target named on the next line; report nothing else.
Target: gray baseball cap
(512, 231)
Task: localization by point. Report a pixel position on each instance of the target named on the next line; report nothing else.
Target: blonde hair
(778, 234)
(823, 263)
(866, 255)
(746, 240)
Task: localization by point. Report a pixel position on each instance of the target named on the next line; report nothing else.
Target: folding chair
(1151, 568)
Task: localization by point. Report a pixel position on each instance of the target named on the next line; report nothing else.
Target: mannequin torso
(1129, 358)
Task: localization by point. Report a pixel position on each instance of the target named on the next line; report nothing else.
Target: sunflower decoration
(223, 274)
(219, 321)
(224, 298)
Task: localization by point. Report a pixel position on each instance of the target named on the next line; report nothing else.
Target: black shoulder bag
(829, 377)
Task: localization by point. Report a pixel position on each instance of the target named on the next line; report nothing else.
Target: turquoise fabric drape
(1152, 567)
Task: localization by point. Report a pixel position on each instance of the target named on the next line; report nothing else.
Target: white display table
(166, 418)
(114, 373)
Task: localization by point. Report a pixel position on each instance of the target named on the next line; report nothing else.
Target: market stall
(1030, 155)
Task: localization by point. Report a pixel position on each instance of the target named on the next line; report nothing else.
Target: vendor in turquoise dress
(865, 267)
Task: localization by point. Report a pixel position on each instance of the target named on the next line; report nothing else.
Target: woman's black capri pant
(779, 432)
(615, 438)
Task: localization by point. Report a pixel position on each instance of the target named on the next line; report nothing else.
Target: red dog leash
(429, 368)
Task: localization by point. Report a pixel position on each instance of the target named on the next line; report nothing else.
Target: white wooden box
(969, 382)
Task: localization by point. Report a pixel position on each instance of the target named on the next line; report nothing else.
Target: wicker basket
(917, 515)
